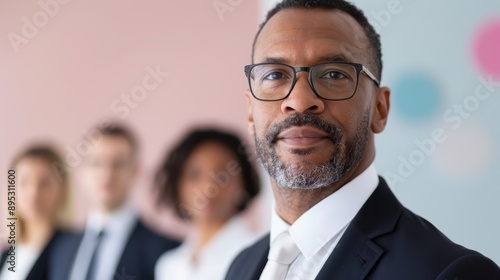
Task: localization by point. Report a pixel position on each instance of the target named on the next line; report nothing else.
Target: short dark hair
(341, 5)
(115, 129)
(169, 174)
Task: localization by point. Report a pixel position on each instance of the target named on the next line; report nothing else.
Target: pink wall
(67, 74)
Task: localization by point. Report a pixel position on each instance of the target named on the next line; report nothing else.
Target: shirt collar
(118, 220)
(330, 216)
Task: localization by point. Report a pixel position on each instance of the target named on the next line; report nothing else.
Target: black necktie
(92, 266)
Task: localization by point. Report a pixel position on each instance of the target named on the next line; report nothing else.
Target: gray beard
(308, 176)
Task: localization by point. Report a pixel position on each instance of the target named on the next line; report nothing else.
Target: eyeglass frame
(359, 68)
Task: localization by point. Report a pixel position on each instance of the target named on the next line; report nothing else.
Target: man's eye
(274, 76)
(334, 75)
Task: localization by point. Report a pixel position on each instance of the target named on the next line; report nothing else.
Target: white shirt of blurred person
(41, 202)
(219, 233)
(109, 172)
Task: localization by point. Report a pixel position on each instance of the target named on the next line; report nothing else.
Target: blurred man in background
(115, 242)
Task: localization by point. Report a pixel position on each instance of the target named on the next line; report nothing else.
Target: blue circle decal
(416, 97)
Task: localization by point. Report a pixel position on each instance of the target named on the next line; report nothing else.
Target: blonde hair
(49, 154)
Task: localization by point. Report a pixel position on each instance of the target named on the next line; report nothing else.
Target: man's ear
(380, 112)
(250, 122)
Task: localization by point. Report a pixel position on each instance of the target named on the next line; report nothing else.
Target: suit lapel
(356, 253)
(128, 262)
(352, 258)
(258, 261)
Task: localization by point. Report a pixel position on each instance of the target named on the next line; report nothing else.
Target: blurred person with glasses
(115, 243)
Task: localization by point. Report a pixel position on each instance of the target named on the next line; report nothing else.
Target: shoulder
(417, 247)
(411, 244)
(3, 257)
(66, 241)
(170, 261)
(455, 261)
(67, 236)
(472, 266)
(256, 248)
(64, 245)
(419, 235)
(150, 238)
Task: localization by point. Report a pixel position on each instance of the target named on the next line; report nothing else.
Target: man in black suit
(115, 244)
(314, 106)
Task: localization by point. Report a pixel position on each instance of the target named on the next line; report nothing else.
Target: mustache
(334, 132)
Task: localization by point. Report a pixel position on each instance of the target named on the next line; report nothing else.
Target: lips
(302, 136)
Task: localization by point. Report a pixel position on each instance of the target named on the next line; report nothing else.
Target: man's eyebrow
(333, 58)
(275, 60)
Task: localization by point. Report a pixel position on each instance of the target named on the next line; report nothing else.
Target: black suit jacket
(137, 262)
(40, 270)
(385, 241)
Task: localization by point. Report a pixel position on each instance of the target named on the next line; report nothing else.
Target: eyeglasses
(330, 81)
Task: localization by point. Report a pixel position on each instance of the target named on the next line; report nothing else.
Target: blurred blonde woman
(42, 191)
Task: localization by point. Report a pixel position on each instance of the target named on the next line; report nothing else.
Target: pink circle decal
(486, 48)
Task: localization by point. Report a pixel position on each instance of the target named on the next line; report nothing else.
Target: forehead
(311, 36)
(212, 151)
(32, 165)
(109, 145)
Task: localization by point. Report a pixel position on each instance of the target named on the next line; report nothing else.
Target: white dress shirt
(318, 230)
(26, 257)
(117, 228)
(213, 260)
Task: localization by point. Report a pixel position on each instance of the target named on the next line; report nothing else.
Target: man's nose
(302, 99)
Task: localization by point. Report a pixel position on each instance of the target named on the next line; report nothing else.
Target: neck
(206, 230)
(293, 203)
(36, 233)
(107, 211)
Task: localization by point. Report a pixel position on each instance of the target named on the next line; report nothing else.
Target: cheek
(54, 198)
(123, 180)
(23, 195)
(231, 193)
(264, 115)
(24, 203)
(185, 193)
(93, 177)
(346, 114)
